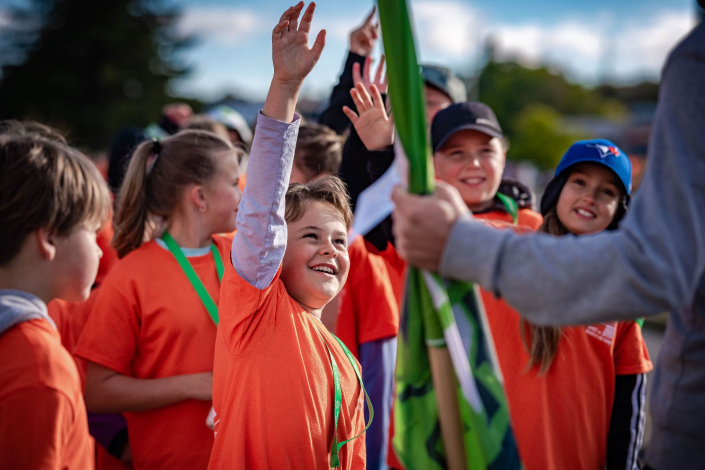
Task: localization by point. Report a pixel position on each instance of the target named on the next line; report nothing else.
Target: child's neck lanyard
(511, 206)
(193, 278)
(338, 396)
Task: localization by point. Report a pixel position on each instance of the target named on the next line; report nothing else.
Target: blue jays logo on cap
(584, 151)
(605, 150)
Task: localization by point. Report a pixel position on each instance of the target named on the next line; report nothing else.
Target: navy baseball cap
(443, 79)
(471, 115)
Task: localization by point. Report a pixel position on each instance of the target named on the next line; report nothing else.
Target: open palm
(291, 56)
(372, 124)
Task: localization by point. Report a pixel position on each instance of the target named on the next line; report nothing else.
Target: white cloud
(645, 48)
(594, 47)
(446, 28)
(4, 19)
(226, 26)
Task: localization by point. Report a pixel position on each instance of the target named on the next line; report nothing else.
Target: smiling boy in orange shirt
(279, 375)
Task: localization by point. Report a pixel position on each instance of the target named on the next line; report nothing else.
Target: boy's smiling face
(316, 261)
(473, 162)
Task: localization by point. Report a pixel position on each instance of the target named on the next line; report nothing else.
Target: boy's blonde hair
(157, 175)
(45, 184)
(328, 189)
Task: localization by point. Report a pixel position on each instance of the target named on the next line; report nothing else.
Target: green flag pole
(406, 93)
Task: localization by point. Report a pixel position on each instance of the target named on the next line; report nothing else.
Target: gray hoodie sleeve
(651, 265)
(260, 241)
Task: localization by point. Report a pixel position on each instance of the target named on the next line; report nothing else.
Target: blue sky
(618, 40)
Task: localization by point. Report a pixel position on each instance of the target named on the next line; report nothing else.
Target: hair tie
(156, 149)
(156, 145)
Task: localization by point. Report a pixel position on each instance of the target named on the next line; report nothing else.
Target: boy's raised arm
(258, 247)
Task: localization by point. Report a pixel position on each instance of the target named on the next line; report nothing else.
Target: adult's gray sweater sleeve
(260, 241)
(652, 264)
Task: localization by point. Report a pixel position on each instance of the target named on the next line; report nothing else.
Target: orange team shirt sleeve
(34, 425)
(247, 312)
(111, 334)
(630, 353)
(110, 257)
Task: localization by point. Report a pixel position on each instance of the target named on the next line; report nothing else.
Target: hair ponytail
(156, 177)
(544, 339)
(131, 214)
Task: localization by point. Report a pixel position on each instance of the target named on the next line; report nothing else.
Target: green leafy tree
(531, 103)
(90, 67)
(539, 138)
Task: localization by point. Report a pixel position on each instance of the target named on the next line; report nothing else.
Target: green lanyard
(198, 286)
(338, 397)
(511, 206)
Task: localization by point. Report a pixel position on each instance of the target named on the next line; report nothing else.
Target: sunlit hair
(45, 184)
(31, 128)
(156, 178)
(200, 122)
(319, 150)
(327, 188)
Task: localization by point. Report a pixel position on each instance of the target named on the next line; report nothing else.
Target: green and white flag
(436, 311)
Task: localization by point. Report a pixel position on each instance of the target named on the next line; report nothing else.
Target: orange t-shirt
(110, 257)
(70, 319)
(369, 309)
(43, 420)
(273, 384)
(147, 323)
(561, 419)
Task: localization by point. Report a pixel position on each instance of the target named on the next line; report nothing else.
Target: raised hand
(291, 56)
(364, 78)
(375, 128)
(292, 59)
(364, 37)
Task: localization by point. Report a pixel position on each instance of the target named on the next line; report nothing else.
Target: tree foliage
(90, 67)
(531, 102)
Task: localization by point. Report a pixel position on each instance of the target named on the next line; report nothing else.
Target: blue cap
(602, 152)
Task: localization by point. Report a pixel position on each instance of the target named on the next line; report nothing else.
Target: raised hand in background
(373, 125)
(365, 36)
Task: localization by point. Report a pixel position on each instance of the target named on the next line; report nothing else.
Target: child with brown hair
(287, 393)
(150, 337)
(318, 152)
(52, 202)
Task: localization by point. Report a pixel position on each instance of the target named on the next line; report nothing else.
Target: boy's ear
(46, 244)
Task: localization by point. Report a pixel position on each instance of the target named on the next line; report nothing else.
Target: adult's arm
(652, 264)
